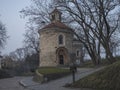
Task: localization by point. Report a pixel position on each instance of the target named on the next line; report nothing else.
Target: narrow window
(60, 39)
(53, 17)
(77, 53)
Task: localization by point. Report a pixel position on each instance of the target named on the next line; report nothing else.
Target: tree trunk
(109, 55)
(95, 58)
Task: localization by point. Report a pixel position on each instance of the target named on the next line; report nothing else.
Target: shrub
(4, 74)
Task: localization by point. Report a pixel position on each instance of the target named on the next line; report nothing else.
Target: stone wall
(49, 45)
(47, 48)
(77, 46)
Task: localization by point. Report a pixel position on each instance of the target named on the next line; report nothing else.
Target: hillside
(106, 79)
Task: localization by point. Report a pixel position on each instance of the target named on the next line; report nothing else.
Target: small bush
(5, 74)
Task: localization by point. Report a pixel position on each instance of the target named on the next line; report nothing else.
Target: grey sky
(10, 16)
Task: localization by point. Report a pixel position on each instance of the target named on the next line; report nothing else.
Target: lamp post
(73, 68)
(0, 61)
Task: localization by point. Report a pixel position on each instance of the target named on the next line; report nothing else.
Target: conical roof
(57, 25)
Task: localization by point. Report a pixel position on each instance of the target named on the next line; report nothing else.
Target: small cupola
(55, 15)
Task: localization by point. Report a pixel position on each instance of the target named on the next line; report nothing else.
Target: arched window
(77, 53)
(60, 39)
(53, 17)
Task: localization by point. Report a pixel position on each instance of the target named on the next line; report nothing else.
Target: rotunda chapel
(56, 42)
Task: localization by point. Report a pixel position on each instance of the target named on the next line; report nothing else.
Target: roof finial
(55, 15)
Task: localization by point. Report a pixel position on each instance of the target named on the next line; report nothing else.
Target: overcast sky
(10, 16)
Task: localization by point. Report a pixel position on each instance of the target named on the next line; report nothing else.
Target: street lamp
(73, 67)
(0, 61)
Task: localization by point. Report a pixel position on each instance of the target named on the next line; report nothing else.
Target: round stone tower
(55, 42)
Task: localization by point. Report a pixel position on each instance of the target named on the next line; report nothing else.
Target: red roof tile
(57, 25)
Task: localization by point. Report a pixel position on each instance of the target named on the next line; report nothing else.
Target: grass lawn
(106, 79)
(45, 74)
(52, 70)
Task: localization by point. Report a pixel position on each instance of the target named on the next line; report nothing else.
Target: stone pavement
(27, 81)
(11, 84)
(59, 83)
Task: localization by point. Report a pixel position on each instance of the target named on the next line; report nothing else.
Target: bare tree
(25, 61)
(7, 62)
(3, 35)
(80, 21)
(19, 54)
(40, 12)
(94, 19)
(115, 42)
(32, 39)
(98, 21)
(37, 12)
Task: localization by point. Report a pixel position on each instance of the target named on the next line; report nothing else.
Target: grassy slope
(106, 79)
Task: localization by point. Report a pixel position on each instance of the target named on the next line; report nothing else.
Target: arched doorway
(62, 56)
(61, 59)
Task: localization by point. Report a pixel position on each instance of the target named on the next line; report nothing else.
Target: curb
(22, 84)
(27, 82)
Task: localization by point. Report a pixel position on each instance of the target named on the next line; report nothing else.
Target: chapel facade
(57, 42)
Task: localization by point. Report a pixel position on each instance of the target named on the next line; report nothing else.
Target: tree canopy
(3, 35)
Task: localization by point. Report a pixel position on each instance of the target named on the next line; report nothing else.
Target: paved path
(11, 84)
(59, 83)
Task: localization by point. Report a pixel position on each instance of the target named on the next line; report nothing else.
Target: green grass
(51, 73)
(52, 70)
(106, 79)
